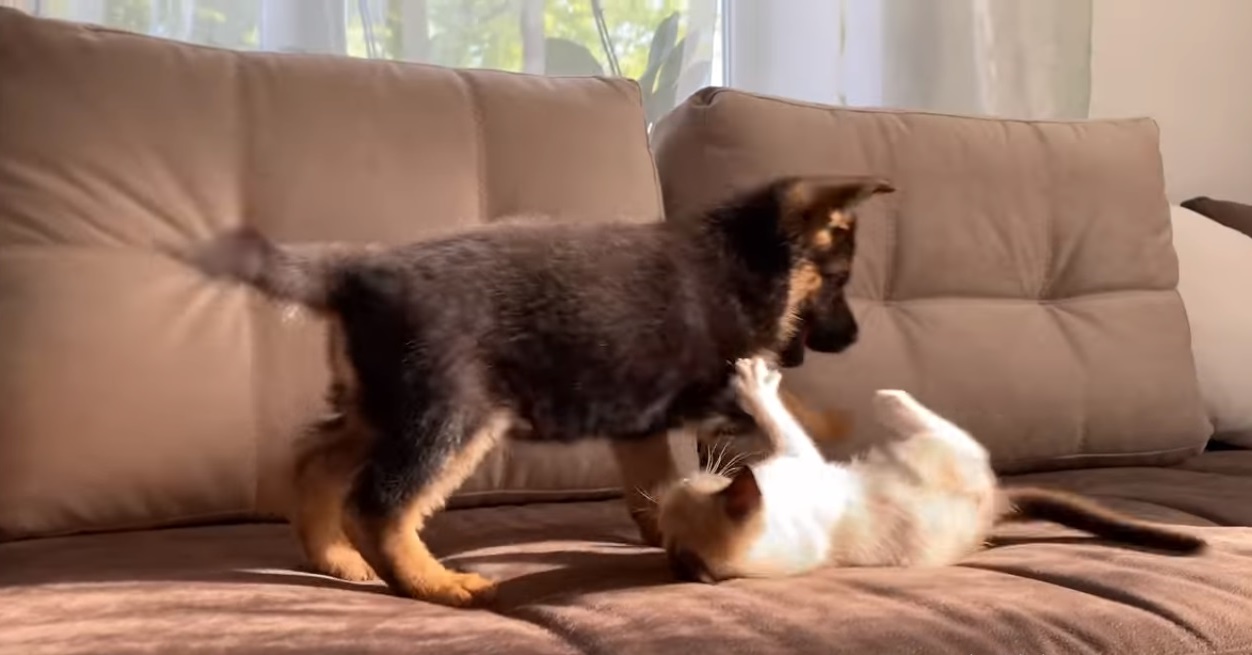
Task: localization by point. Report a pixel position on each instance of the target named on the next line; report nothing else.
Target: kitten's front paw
(769, 376)
(754, 381)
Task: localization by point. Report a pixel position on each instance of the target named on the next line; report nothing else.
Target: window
(671, 46)
(1023, 58)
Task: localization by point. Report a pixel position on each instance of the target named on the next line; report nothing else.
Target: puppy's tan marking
(392, 545)
(818, 204)
(823, 240)
(841, 220)
(804, 283)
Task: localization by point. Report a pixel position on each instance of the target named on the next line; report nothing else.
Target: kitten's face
(709, 522)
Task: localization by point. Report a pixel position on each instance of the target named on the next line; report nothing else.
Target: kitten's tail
(304, 275)
(1074, 511)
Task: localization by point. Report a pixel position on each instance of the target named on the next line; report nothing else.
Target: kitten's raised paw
(770, 377)
(754, 373)
(755, 383)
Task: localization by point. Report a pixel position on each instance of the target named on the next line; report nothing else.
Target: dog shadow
(567, 575)
(535, 563)
(562, 576)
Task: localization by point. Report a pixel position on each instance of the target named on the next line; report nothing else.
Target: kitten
(927, 498)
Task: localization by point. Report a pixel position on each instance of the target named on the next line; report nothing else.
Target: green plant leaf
(662, 44)
(647, 81)
(664, 96)
(686, 50)
(565, 57)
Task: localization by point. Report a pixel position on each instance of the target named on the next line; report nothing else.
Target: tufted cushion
(1021, 281)
(136, 393)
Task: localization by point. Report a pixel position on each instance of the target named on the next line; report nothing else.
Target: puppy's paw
(449, 588)
(481, 590)
(645, 519)
(345, 564)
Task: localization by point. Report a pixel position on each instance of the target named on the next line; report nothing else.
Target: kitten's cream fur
(926, 498)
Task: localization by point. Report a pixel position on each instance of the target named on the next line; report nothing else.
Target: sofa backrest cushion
(1020, 281)
(137, 393)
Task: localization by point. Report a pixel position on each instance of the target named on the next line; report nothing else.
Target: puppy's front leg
(646, 466)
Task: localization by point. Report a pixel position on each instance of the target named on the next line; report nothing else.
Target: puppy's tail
(305, 275)
(1074, 511)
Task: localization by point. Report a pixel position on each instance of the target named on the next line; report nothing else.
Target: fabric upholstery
(1215, 267)
(573, 583)
(135, 392)
(1021, 280)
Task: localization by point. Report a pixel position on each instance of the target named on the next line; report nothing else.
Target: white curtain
(1017, 58)
(1020, 58)
(668, 45)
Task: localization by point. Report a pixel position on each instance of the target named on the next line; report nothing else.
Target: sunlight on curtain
(670, 46)
(1017, 58)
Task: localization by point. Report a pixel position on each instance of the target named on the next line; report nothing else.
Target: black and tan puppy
(538, 331)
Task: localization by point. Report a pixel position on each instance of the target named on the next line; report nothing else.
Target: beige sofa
(1022, 281)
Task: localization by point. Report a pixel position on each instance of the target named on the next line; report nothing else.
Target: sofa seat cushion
(572, 583)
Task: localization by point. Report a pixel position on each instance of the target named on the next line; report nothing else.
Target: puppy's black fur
(615, 330)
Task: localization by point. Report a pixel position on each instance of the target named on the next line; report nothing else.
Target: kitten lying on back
(927, 498)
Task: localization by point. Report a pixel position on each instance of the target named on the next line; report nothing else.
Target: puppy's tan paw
(649, 533)
(345, 564)
(450, 588)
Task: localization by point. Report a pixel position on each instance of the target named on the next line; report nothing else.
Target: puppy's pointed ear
(813, 203)
(742, 496)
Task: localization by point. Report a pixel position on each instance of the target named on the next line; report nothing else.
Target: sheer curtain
(1017, 58)
(668, 45)
(1020, 58)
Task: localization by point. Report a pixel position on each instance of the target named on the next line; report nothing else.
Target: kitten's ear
(742, 496)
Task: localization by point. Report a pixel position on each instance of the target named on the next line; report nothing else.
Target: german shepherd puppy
(546, 331)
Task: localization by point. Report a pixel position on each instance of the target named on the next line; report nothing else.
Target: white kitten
(927, 498)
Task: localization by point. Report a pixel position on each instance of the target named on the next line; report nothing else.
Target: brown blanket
(573, 583)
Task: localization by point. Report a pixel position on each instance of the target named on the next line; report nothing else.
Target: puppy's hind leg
(407, 478)
(327, 462)
(324, 470)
